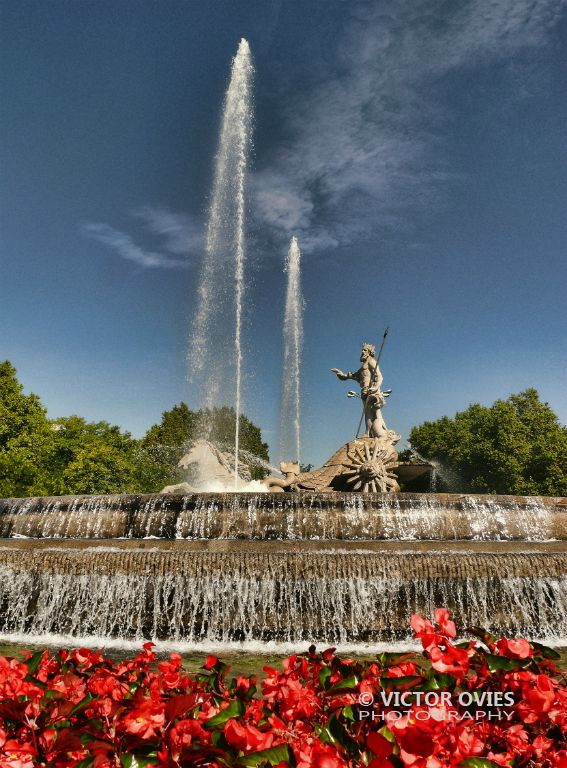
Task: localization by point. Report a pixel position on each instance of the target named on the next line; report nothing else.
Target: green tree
(99, 468)
(82, 455)
(39, 456)
(24, 437)
(163, 445)
(514, 446)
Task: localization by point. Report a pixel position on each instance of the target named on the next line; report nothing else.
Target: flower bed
(480, 703)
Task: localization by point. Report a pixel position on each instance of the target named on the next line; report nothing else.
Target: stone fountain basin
(293, 516)
(327, 568)
(230, 591)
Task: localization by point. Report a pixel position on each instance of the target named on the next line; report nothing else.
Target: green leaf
(547, 653)
(86, 763)
(478, 762)
(34, 662)
(348, 713)
(502, 662)
(234, 709)
(82, 704)
(218, 739)
(484, 635)
(387, 734)
(137, 761)
(336, 732)
(388, 659)
(324, 676)
(440, 682)
(348, 684)
(271, 756)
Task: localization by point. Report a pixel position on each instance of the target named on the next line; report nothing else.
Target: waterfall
(332, 568)
(294, 596)
(348, 517)
(215, 353)
(290, 411)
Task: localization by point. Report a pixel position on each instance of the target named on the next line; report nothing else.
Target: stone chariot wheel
(369, 468)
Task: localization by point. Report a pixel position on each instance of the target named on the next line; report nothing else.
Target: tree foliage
(24, 437)
(514, 446)
(41, 456)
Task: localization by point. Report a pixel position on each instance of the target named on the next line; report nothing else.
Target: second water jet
(290, 410)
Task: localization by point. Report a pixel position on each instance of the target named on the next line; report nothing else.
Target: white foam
(255, 648)
(165, 646)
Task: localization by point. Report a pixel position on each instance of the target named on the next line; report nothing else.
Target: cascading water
(305, 516)
(215, 354)
(286, 568)
(290, 411)
(296, 596)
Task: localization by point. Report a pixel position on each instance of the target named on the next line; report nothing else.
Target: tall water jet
(215, 354)
(290, 412)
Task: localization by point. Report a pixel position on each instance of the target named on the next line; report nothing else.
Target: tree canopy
(42, 456)
(515, 446)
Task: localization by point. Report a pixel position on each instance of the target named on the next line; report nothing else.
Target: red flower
(17, 755)
(542, 696)
(185, 732)
(144, 721)
(314, 754)
(243, 684)
(380, 745)
(248, 738)
(80, 704)
(515, 649)
(443, 621)
(421, 625)
(454, 661)
(104, 683)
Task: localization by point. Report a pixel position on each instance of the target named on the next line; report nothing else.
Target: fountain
(290, 410)
(215, 355)
(308, 564)
(337, 555)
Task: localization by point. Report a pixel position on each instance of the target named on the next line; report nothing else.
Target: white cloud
(181, 239)
(182, 234)
(365, 141)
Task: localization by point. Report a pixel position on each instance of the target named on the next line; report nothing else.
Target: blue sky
(416, 149)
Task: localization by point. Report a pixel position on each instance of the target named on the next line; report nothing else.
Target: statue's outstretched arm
(341, 374)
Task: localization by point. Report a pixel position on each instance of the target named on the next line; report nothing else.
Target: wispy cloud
(181, 233)
(365, 142)
(180, 239)
(364, 146)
